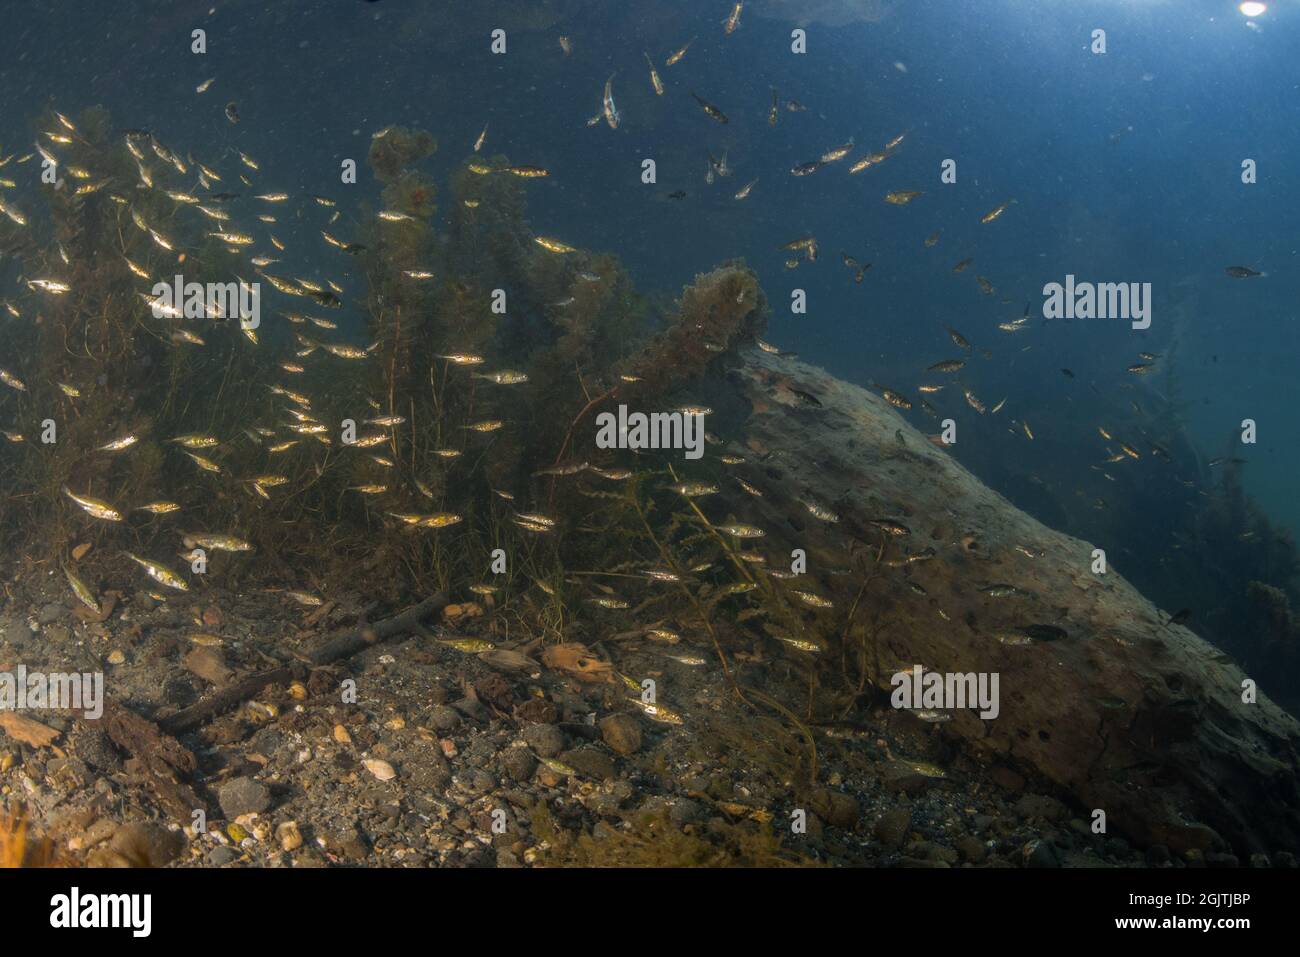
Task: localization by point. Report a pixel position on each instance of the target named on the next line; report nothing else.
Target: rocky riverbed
(457, 758)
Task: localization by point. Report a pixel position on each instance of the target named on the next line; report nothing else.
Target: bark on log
(163, 764)
(1140, 719)
(358, 639)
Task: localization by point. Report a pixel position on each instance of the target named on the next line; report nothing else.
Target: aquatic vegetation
(417, 413)
(651, 839)
(20, 848)
(573, 326)
(395, 149)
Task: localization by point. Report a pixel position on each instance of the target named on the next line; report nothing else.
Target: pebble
(341, 734)
(536, 710)
(891, 830)
(471, 708)
(602, 804)
(50, 613)
(222, 855)
(834, 807)
(621, 732)
(929, 851)
(97, 833)
(352, 845)
(971, 849)
(443, 718)
(685, 811)
(1118, 847)
(590, 762)
(1032, 806)
(147, 845)
(243, 796)
(546, 739)
(480, 751)
(902, 777)
(116, 657)
(1040, 853)
(518, 764)
(430, 773)
(478, 782)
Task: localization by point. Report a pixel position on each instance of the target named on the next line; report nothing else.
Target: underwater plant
(19, 847)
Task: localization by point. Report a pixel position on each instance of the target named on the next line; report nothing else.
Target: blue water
(1125, 167)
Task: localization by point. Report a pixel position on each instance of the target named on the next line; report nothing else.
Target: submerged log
(341, 646)
(1127, 714)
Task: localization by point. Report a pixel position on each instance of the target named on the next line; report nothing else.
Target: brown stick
(568, 436)
(187, 719)
(341, 646)
(349, 643)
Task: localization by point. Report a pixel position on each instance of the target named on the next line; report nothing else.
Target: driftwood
(334, 649)
(161, 762)
(1123, 712)
(223, 700)
(27, 730)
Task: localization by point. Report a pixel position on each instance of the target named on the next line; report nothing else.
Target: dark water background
(1125, 167)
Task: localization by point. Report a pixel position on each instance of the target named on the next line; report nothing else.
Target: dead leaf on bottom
(106, 605)
(505, 659)
(575, 659)
(456, 613)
